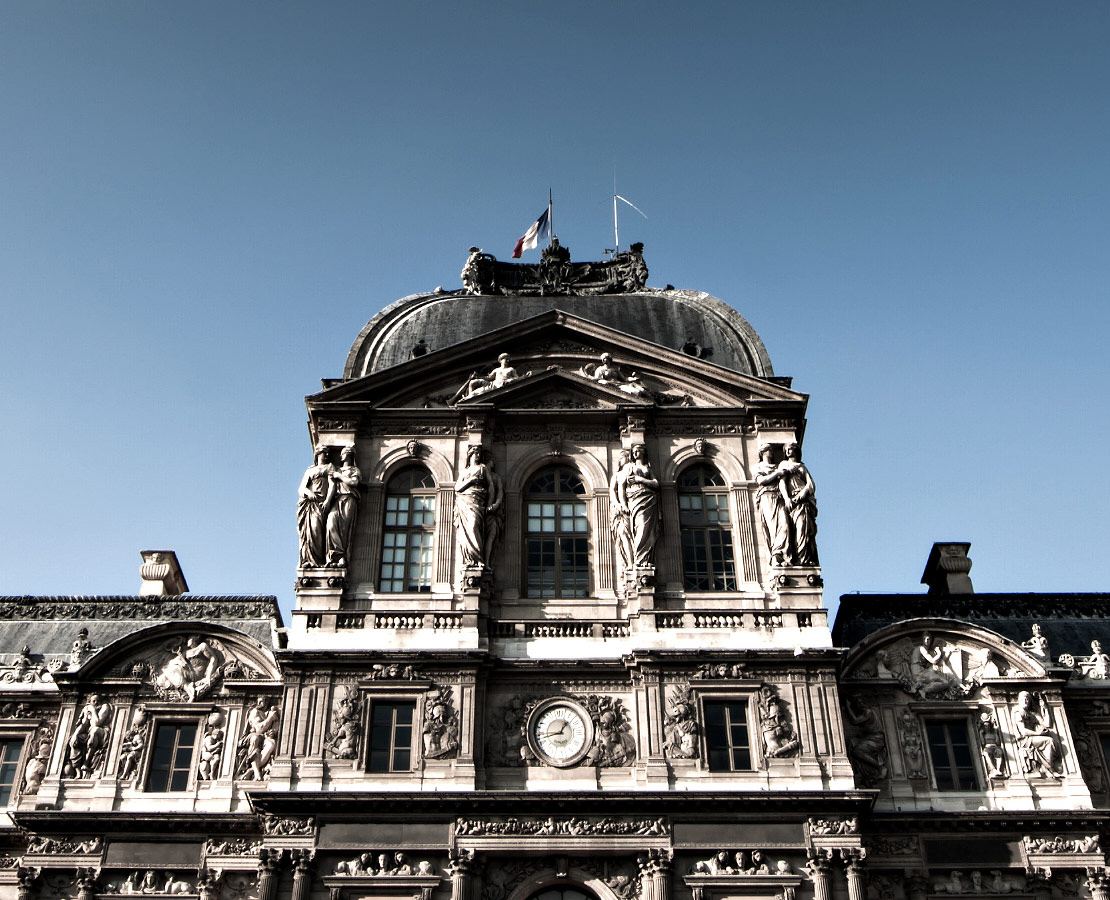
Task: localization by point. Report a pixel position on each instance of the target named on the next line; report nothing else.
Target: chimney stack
(947, 570)
(161, 574)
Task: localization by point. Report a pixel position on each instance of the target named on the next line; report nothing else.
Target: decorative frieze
(571, 826)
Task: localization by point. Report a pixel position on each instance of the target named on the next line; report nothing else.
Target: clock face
(561, 732)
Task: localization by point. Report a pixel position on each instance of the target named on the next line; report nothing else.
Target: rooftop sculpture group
(626, 272)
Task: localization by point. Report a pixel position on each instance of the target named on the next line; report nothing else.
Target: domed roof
(692, 321)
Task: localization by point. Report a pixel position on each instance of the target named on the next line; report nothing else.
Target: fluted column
(853, 868)
(302, 873)
(655, 874)
(462, 868)
(268, 863)
(1098, 885)
(27, 887)
(819, 873)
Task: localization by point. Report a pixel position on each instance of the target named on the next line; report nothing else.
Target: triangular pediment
(642, 373)
(556, 389)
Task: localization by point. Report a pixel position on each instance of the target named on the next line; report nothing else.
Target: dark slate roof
(1069, 621)
(49, 625)
(670, 318)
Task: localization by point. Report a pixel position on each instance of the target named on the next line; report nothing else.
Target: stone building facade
(559, 635)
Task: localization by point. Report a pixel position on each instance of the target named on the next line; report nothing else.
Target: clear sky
(201, 204)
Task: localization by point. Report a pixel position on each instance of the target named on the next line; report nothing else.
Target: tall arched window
(410, 512)
(557, 554)
(708, 563)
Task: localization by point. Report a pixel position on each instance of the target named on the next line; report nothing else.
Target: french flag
(540, 230)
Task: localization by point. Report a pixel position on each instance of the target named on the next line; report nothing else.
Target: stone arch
(588, 466)
(434, 461)
(726, 462)
(1014, 655)
(247, 649)
(574, 878)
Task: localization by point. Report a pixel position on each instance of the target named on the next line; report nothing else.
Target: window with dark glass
(10, 751)
(708, 563)
(726, 736)
(391, 737)
(410, 511)
(952, 756)
(557, 544)
(171, 761)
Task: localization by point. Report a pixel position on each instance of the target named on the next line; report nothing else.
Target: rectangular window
(951, 754)
(10, 751)
(391, 737)
(171, 762)
(726, 736)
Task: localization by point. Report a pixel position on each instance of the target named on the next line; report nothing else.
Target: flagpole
(616, 235)
(550, 220)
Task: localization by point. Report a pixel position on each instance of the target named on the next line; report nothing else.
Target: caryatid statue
(636, 492)
(771, 506)
(344, 511)
(798, 489)
(474, 491)
(314, 502)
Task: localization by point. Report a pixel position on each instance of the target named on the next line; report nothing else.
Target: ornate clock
(560, 732)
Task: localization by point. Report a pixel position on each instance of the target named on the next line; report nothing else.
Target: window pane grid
(171, 762)
(391, 737)
(409, 525)
(726, 736)
(556, 548)
(951, 754)
(707, 553)
(10, 751)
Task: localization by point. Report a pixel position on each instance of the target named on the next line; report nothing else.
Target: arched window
(708, 563)
(557, 554)
(561, 893)
(410, 512)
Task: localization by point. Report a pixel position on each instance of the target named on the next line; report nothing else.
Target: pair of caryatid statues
(327, 507)
(480, 513)
(787, 507)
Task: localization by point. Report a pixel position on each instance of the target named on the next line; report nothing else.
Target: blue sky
(203, 203)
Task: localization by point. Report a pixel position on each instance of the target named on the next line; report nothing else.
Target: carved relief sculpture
(473, 491)
(605, 372)
(930, 669)
(990, 744)
(212, 747)
(383, 864)
(779, 737)
(343, 513)
(1097, 665)
(913, 748)
(681, 726)
(259, 741)
(315, 497)
(89, 739)
(191, 671)
(441, 724)
(613, 741)
(1040, 747)
(37, 764)
(346, 726)
(798, 490)
(477, 384)
(772, 508)
(867, 749)
(134, 742)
